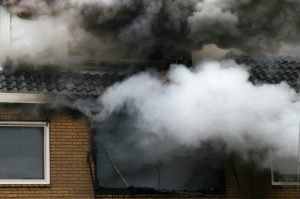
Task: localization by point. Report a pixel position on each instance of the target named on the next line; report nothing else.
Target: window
(24, 153)
(129, 160)
(284, 169)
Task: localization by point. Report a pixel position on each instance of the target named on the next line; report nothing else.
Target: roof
(54, 81)
(50, 81)
(273, 70)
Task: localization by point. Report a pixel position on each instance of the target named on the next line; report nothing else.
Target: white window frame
(46, 179)
(280, 183)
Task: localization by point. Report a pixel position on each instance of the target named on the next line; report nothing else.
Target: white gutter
(28, 98)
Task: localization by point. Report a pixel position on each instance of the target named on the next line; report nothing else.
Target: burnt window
(130, 161)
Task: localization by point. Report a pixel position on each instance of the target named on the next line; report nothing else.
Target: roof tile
(273, 70)
(55, 82)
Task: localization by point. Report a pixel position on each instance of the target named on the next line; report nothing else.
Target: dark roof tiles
(50, 81)
(273, 70)
(55, 82)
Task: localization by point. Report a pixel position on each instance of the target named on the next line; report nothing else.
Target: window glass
(21, 153)
(285, 170)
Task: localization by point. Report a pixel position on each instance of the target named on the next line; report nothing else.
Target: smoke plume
(213, 101)
(185, 120)
(182, 126)
(71, 31)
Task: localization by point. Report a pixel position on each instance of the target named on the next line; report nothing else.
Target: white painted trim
(47, 154)
(285, 183)
(46, 179)
(32, 98)
(22, 123)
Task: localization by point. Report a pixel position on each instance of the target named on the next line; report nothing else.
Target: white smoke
(211, 101)
(51, 35)
(32, 39)
(214, 100)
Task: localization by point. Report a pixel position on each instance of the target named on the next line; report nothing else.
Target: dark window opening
(152, 164)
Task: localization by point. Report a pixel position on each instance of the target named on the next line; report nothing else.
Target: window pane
(21, 153)
(285, 169)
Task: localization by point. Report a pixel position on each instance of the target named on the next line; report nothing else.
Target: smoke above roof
(212, 101)
(169, 121)
(74, 30)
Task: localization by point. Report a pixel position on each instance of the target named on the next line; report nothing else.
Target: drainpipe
(89, 161)
(298, 163)
(236, 177)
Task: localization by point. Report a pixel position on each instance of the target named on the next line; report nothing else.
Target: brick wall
(254, 182)
(70, 175)
(69, 144)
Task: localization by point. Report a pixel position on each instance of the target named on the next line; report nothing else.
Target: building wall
(70, 174)
(248, 181)
(69, 144)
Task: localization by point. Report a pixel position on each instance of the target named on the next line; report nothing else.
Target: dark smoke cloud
(215, 101)
(76, 30)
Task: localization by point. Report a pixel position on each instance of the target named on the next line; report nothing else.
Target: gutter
(27, 98)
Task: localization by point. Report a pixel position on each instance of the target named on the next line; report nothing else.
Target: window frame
(46, 179)
(279, 183)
